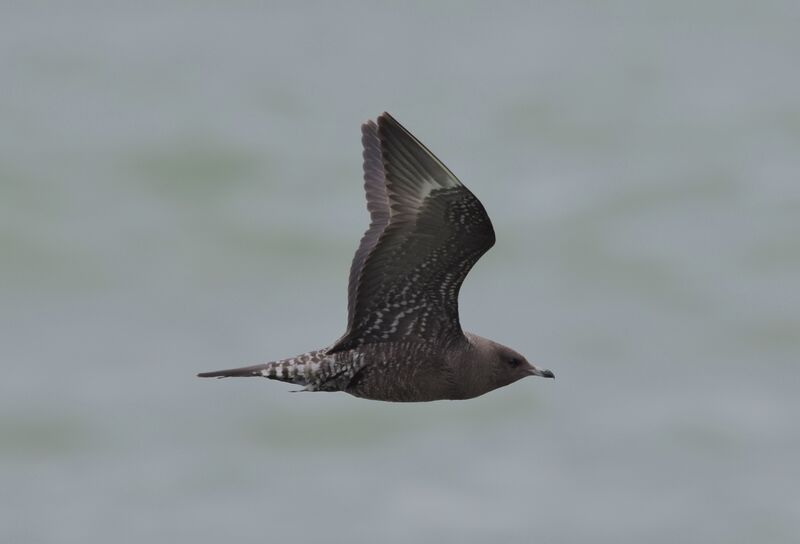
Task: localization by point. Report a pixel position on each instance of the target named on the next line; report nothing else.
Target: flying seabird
(404, 341)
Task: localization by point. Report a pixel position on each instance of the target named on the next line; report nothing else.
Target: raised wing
(427, 231)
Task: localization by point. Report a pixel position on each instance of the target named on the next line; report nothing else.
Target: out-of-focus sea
(180, 190)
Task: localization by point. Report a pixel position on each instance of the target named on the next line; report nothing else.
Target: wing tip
(382, 118)
(387, 118)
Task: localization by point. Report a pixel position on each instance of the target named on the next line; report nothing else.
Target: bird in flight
(404, 341)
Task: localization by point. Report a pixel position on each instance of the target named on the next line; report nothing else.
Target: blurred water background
(180, 190)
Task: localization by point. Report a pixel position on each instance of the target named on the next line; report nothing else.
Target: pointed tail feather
(297, 370)
(243, 372)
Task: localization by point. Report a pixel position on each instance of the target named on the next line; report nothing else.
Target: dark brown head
(495, 365)
(510, 366)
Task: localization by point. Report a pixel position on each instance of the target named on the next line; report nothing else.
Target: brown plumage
(404, 340)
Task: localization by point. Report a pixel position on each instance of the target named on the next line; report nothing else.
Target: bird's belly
(402, 382)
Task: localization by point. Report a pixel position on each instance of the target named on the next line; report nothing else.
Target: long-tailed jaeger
(404, 340)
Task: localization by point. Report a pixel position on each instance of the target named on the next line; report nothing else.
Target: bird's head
(496, 365)
(510, 366)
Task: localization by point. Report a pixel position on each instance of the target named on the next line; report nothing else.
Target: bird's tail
(300, 370)
(242, 372)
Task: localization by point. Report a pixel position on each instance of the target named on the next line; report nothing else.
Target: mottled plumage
(404, 340)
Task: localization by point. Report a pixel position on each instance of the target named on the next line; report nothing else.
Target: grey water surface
(180, 190)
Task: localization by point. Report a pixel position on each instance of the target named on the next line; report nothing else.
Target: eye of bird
(515, 362)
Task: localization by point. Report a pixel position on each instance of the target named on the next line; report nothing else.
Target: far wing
(427, 232)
